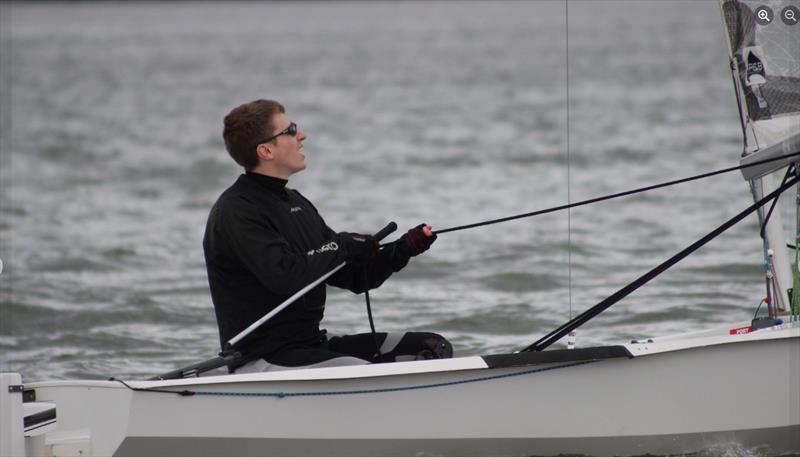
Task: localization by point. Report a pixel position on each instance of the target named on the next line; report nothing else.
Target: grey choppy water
(440, 112)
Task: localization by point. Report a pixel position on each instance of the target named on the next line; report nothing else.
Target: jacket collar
(269, 182)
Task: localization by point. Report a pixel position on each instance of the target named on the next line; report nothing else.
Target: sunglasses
(291, 130)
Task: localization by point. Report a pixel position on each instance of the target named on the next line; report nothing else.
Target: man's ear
(265, 152)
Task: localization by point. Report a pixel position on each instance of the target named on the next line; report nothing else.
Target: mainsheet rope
(612, 196)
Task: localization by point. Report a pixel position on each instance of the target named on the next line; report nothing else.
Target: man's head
(261, 138)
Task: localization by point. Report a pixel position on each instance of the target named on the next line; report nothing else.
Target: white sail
(763, 42)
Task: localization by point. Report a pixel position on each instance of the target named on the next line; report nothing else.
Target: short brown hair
(245, 126)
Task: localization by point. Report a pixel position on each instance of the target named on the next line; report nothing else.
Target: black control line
(612, 196)
(584, 317)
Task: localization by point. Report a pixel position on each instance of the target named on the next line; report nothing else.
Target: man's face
(287, 158)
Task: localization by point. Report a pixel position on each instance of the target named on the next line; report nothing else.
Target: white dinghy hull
(676, 395)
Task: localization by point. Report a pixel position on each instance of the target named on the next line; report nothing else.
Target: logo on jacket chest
(295, 209)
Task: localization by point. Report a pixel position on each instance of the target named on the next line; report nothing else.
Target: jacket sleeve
(358, 278)
(269, 256)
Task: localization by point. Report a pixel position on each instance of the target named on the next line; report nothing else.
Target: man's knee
(417, 346)
(435, 346)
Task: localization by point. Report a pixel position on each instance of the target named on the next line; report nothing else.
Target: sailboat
(731, 385)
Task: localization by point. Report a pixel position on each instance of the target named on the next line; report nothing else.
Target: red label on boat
(741, 330)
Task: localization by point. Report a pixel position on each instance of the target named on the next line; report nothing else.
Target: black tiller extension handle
(384, 232)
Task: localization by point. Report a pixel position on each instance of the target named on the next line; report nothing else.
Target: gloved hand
(415, 241)
(359, 248)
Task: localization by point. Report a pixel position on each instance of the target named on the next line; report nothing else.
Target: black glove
(358, 248)
(415, 241)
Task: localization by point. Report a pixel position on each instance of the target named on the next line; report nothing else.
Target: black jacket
(264, 242)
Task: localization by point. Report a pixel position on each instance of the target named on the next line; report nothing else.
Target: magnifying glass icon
(764, 15)
(789, 15)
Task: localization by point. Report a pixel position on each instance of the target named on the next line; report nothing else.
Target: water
(445, 113)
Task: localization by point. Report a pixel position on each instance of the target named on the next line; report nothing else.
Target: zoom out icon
(764, 15)
(790, 15)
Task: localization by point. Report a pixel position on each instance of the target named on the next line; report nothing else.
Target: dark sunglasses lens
(292, 129)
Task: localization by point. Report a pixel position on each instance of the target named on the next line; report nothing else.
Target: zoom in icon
(764, 15)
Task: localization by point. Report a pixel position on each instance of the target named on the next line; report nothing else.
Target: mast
(766, 78)
(795, 298)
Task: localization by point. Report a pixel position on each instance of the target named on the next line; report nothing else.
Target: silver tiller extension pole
(283, 305)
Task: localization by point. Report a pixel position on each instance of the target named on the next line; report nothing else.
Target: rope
(359, 391)
(371, 321)
(789, 172)
(569, 167)
(584, 317)
(183, 393)
(613, 196)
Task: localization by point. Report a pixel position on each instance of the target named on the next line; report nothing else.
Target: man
(265, 241)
